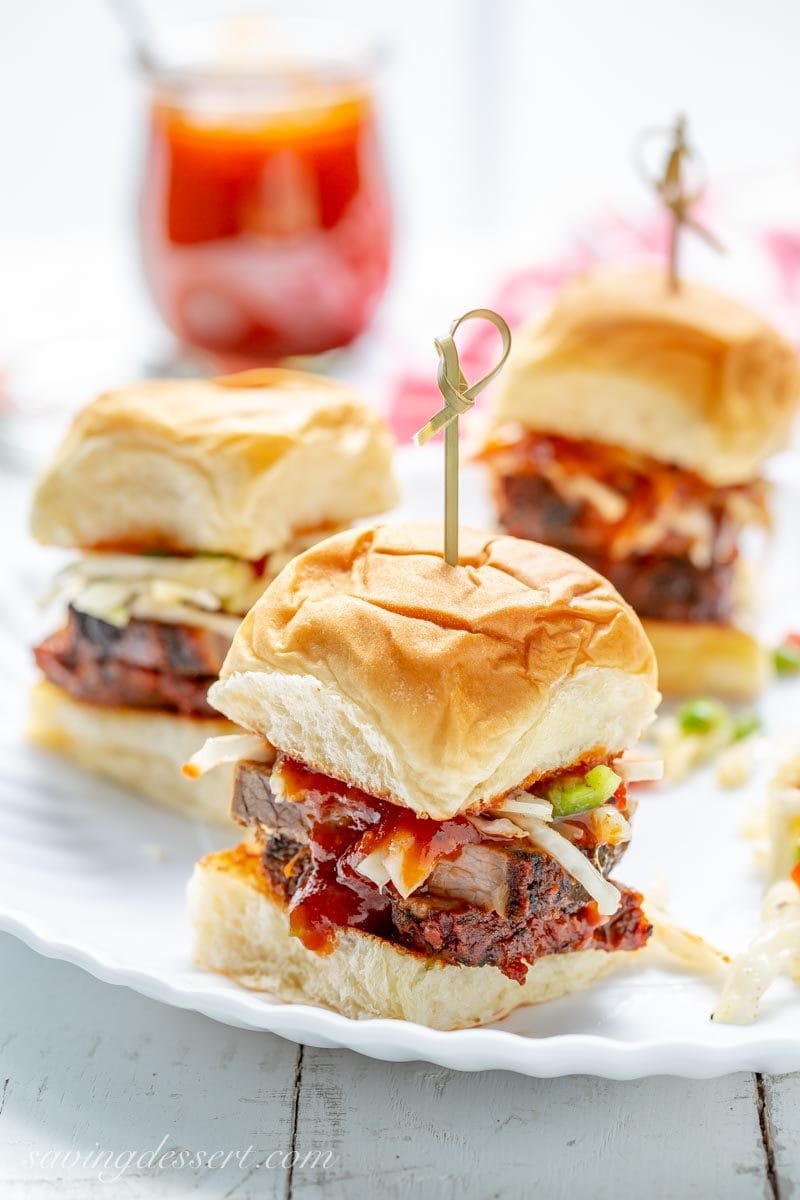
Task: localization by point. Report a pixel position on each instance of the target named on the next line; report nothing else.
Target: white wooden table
(95, 1070)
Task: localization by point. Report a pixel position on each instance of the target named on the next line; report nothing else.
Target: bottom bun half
(141, 749)
(719, 659)
(241, 930)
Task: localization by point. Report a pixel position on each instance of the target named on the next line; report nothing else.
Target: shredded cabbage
(635, 768)
(775, 948)
(498, 827)
(227, 749)
(526, 805)
(372, 867)
(574, 863)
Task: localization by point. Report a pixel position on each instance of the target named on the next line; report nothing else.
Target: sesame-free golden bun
(697, 657)
(436, 687)
(138, 748)
(241, 930)
(692, 377)
(239, 466)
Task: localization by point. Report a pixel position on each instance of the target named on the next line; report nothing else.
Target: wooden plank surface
(91, 1068)
(781, 1120)
(417, 1130)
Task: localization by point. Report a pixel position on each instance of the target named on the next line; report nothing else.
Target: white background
(504, 119)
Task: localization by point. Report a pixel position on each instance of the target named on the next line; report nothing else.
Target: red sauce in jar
(265, 233)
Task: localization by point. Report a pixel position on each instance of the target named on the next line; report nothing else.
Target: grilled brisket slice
(515, 882)
(284, 863)
(254, 803)
(530, 507)
(458, 933)
(155, 645)
(143, 665)
(664, 587)
(511, 878)
(672, 589)
(499, 903)
(455, 931)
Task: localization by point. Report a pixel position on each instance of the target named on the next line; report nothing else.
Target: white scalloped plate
(81, 881)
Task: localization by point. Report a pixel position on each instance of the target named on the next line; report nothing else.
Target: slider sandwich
(631, 429)
(435, 786)
(184, 498)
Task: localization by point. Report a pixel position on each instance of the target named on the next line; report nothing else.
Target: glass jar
(265, 219)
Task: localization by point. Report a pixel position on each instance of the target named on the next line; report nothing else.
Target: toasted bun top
(691, 377)
(439, 687)
(236, 466)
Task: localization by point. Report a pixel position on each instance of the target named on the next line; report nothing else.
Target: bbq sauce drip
(346, 824)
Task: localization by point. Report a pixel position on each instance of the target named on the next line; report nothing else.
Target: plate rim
(388, 1039)
(185, 986)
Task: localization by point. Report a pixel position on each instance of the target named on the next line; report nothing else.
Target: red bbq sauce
(346, 824)
(646, 485)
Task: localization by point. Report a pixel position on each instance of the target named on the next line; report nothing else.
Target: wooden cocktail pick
(674, 190)
(458, 396)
